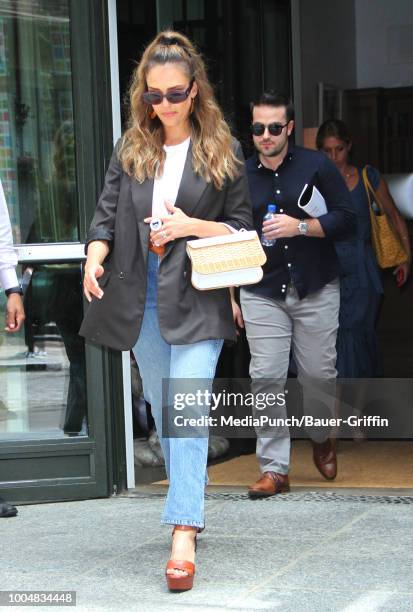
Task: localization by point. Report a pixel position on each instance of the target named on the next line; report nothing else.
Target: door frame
(88, 466)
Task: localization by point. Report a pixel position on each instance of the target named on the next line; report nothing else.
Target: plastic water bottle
(271, 210)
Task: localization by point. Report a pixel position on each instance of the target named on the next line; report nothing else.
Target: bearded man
(294, 308)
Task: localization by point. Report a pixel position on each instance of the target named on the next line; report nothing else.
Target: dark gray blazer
(186, 315)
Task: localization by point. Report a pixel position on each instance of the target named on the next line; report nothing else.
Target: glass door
(53, 407)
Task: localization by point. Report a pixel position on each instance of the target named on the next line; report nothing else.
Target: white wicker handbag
(226, 261)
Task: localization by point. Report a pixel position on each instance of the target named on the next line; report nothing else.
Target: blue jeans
(185, 458)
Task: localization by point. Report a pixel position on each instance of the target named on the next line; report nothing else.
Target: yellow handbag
(226, 261)
(387, 245)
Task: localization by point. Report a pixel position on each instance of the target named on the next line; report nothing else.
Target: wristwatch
(303, 227)
(11, 290)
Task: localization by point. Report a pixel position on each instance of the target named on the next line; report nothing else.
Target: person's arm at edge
(398, 223)
(8, 278)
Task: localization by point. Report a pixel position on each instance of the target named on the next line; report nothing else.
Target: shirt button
(283, 290)
(277, 191)
(121, 275)
(286, 246)
(276, 174)
(281, 210)
(289, 265)
(284, 286)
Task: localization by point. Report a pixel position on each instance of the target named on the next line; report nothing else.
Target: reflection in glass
(37, 148)
(42, 368)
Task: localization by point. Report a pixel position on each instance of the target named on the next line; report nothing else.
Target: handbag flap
(225, 253)
(226, 238)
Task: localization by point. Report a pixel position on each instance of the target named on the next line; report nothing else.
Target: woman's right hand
(93, 271)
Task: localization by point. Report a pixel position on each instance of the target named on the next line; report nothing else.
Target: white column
(117, 131)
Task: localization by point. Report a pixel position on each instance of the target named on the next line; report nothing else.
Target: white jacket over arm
(8, 255)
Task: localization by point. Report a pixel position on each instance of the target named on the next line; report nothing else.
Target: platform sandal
(181, 582)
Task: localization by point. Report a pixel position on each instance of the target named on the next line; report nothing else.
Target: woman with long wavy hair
(176, 173)
(361, 285)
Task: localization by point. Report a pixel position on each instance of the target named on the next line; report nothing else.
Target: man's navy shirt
(310, 263)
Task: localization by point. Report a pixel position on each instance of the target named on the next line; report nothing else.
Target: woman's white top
(166, 186)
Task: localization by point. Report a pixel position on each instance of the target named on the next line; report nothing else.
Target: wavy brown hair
(141, 152)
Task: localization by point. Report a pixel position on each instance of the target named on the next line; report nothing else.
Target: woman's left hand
(176, 225)
(402, 272)
(237, 316)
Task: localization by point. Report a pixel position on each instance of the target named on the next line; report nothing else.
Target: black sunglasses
(274, 129)
(174, 97)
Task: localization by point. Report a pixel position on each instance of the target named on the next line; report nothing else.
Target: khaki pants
(308, 327)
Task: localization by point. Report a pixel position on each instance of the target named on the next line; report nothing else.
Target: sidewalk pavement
(305, 551)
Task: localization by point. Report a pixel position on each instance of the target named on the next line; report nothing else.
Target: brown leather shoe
(269, 484)
(325, 459)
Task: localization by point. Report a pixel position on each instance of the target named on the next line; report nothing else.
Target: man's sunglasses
(174, 97)
(274, 129)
